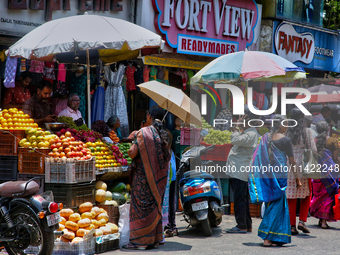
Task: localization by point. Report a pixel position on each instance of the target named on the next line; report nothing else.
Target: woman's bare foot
(324, 224)
(268, 243)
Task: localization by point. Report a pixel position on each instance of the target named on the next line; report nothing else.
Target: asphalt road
(192, 241)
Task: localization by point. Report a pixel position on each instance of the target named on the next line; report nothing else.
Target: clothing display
(160, 74)
(166, 76)
(49, 74)
(16, 95)
(130, 82)
(114, 98)
(78, 85)
(37, 66)
(146, 73)
(181, 72)
(98, 99)
(138, 75)
(153, 73)
(10, 71)
(190, 74)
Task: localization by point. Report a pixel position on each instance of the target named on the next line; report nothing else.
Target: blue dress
(269, 187)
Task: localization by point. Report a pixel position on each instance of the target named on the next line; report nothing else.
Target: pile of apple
(66, 147)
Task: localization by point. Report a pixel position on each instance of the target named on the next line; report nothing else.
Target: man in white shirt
(72, 109)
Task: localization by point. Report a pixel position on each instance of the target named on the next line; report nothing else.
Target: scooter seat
(197, 174)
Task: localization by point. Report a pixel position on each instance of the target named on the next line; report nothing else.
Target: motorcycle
(28, 221)
(200, 195)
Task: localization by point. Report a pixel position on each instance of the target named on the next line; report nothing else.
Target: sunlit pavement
(193, 241)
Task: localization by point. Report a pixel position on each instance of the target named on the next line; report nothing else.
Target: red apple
(62, 154)
(51, 154)
(53, 146)
(67, 150)
(55, 150)
(73, 139)
(59, 145)
(66, 144)
(63, 130)
(60, 149)
(69, 154)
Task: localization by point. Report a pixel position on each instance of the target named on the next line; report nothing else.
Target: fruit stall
(72, 162)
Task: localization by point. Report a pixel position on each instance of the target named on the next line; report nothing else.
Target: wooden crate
(255, 209)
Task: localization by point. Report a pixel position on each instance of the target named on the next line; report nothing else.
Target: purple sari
(325, 189)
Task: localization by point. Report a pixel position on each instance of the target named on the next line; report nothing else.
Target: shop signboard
(307, 47)
(206, 27)
(18, 17)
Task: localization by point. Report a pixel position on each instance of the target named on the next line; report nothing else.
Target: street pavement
(193, 241)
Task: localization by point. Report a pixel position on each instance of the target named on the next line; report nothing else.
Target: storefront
(314, 49)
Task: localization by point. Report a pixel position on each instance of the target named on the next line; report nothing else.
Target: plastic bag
(124, 224)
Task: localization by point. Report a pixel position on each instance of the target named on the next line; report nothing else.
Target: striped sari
(148, 187)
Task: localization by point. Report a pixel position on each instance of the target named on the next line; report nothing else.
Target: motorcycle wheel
(216, 223)
(32, 229)
(206, 227)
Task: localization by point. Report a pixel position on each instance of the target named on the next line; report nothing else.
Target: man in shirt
(72, 108)
(325, 113)
(38, 106)
(15, 97)
(244, 139)
(225, 114)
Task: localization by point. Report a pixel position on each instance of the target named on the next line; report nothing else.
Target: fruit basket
(217, 153)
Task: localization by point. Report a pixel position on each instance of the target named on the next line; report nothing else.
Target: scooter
(28, 221)
(200, 195)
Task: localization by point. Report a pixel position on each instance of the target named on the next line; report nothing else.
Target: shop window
(308, 11)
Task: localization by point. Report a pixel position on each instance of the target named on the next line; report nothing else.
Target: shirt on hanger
(130, 82)
(146, 73)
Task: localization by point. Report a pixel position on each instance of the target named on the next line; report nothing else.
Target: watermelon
(117, 187)
(120, 198)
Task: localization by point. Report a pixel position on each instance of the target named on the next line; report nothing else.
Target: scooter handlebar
(206, 149)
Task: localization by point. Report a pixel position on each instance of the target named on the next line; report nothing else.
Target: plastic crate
(190, 136)
(81, 171)
(9, 141)
(217, 153)
(87, 247)
(112, 212)
(8, 168)
(104, 244)
(40, 180)
(72, 195)
(32, 161)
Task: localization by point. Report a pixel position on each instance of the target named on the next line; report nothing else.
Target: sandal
(236, 230)
(303, 227)
(271, 244)
(293, 231)
(131, 246)
(325, 226)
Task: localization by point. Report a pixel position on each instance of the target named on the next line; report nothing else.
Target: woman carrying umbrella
(150, 150)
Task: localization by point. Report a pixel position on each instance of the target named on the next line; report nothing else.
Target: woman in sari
(150, 150)
(268, 182)
(302, 138)
(327, 187)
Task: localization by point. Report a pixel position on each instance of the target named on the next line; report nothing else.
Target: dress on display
(130, 82)
(114, 98)
(146, 73)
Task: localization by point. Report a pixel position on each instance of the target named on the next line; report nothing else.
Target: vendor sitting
(72, 109)
(114, 123)
(38, 107)
(15, 97)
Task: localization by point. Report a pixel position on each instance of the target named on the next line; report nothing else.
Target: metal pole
(88, 89)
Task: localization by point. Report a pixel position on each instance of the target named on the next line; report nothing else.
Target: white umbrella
(174, 100)
(108, 38)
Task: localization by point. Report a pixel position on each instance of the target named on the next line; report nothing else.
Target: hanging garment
(184, 76)
(166, 76)
(130, 83)
(114, 98)
(139, 75)
(153, 73)
(11, 68)
(124, 88)
(160, 74)
(37, 66)
(49, 74)
(190, 74)
(23, 65)
(61, 72)
(79, 85)
(98, 99)
(146, 73)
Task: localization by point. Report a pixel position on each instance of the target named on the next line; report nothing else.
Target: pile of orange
(113, 136)
(13, 119)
